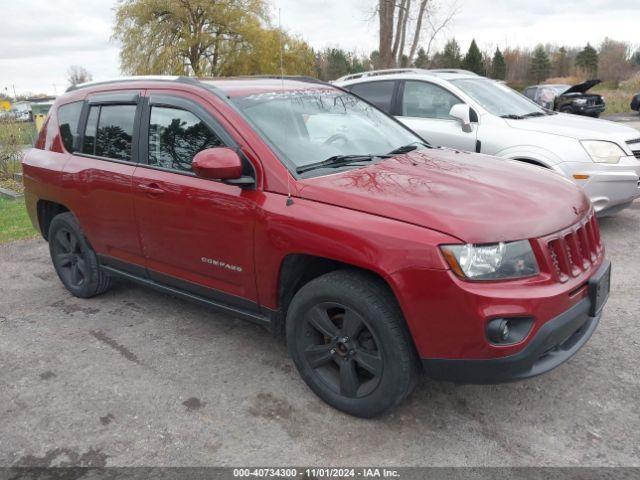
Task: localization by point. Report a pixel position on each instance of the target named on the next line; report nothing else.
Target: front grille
(574, 250)
(636, 153)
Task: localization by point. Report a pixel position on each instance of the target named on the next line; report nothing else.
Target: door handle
(151, 189)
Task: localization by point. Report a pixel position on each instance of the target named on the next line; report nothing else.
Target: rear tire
(348, 339)
(74, 259)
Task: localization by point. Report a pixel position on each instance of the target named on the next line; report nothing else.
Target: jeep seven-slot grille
(575, 249)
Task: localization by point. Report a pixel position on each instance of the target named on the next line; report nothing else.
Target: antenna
(289, 199)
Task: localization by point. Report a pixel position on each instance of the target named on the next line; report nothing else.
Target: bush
(13, 136)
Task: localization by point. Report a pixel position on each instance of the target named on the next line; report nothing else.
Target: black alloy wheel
(68, 258)
(342, 350)
(74, 259)
(349, 341)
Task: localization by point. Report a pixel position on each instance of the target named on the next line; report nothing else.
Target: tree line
(237, 37)
(611, 61)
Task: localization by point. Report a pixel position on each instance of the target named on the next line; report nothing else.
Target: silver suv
(461, 110)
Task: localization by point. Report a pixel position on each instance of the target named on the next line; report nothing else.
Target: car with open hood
(299, 206)
(461, 110)
(568, 98)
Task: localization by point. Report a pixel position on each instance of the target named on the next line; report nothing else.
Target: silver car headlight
(603, 152)
(496, 261)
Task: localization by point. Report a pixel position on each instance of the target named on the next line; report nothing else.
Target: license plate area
(599, 287)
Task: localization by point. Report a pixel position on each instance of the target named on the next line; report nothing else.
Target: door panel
(425, 109)
(103, 203)
(197, 234)
(100, 174)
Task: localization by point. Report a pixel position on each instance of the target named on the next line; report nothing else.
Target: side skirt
(260, 319)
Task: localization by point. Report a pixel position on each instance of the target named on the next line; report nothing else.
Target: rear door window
(109, 131)
(68, 119)
(378, 93)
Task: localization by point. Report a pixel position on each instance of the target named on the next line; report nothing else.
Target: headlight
(580, 101)
(497, 261)
(603, 152)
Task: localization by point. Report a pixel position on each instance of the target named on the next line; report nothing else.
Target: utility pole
(15, 97)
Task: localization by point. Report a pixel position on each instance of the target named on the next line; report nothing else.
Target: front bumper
(554, 343)
(610, 187)
(589, 109)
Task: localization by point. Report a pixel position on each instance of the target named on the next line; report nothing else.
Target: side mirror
(217, 164)
(462, 112)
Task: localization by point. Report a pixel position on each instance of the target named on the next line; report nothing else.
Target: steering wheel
(338, 137)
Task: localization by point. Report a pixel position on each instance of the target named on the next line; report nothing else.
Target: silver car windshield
(309, 126)
(496, 98)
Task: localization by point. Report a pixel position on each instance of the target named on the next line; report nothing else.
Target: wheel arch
(46, 211)
(298, 269)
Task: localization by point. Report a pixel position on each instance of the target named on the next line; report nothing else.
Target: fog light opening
(498, 330)
(507, 331)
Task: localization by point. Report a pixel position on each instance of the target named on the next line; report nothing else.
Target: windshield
(309, 126)
(497, 98)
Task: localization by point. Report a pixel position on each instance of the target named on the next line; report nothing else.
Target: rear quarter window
(378, 93)
(68, 119)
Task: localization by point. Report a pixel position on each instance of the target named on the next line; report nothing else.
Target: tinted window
(175, 136)
(68, 118)
(89, 145)
(115, 131)
(109, 131)
(378, 93)
(530, 93)
(426, 100)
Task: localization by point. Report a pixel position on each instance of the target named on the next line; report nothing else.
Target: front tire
(74, 259)
(348, 340)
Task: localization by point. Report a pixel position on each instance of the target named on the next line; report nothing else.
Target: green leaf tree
(587, 61)
(204, 37)
(473, 60)
(539, 65)
(498, 66)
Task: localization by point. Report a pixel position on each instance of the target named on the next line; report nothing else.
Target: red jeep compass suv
(299, 206)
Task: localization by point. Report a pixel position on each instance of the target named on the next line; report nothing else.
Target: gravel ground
(138, 378)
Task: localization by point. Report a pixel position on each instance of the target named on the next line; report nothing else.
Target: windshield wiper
(338, 161)
(512, 116)
(534, 114)
(407, 148)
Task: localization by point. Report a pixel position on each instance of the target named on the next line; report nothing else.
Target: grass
(14, 221)
(25, 131)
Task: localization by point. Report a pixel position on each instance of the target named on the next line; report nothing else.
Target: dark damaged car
(568, 99)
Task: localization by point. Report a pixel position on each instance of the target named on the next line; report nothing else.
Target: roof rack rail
(136, 78)
(387, 71)
(452, 70)
(390, 71)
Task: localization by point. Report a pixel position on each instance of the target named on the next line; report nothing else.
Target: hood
(576, 126)
(476, 198)
(582, 87)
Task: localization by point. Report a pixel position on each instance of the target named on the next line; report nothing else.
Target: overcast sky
(40, 39)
